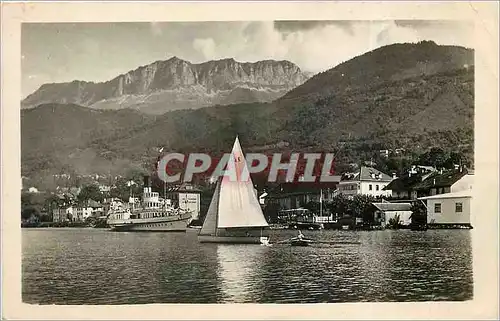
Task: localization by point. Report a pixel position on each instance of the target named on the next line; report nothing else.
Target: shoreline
(429, 227)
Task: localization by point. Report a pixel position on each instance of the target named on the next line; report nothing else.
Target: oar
(337, 242)
(285, 241)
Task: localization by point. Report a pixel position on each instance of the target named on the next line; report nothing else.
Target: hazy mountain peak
(178, 84)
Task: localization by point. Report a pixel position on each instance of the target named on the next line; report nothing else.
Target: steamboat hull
(161, 224)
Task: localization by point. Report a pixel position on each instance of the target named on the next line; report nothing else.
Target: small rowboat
(300, 242)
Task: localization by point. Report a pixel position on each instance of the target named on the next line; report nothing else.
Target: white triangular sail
(238, 205)
(210, 224)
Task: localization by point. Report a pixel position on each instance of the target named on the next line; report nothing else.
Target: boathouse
(385, 212)
(449, 209)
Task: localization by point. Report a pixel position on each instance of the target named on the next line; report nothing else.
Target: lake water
(96, 266)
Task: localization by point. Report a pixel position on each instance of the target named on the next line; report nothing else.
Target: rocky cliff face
(178, 84)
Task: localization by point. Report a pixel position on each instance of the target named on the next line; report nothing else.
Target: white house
(464, 183)
(386, 211)
(367, 181)
(62, 214)
(82, 213)
(104, 188)
(189, 199)
(449, 208)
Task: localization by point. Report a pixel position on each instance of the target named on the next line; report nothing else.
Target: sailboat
(234, 214)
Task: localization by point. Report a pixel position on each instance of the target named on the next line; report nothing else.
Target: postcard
(250, 160)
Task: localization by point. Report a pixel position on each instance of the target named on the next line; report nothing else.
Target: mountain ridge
(173, 84)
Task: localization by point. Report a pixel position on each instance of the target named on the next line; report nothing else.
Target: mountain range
(178, 84)
(412, 96)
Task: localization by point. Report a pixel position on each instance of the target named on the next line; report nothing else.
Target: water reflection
(238, 270)
(92, 266)
(413, 266)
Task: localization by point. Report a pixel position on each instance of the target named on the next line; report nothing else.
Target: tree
(122, 190)
(51, 202)
(312, 206)
(454, 158)
(361, 207)
(394, 222)
(26, 199)
(419, 214)
(338, 206)
(435, 157)
(394, 165)
(28, 212)
(89, 192)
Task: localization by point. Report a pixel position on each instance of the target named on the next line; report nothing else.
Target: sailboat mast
(321, 203)
(217, 190)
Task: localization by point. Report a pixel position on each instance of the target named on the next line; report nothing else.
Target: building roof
(425, 167)
(368, 174)
(392, 206)
(300, 188)
(187, 188)
(461, 194)
(404, 183)
(446, 179)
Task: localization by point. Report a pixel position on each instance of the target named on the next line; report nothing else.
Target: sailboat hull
(229, 239)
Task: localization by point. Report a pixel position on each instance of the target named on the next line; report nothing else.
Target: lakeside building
(105, 188)
(403, 187)
(385, 212)
(82, 213)
(442, 182)
(288, 196)
(425, 181)
(62, 214)
(448, 200)
(367, 181)
(189, 198)
(449, 208)
(33, 189)
(68, 212)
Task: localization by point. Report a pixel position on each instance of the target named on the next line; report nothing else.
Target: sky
(63, 52)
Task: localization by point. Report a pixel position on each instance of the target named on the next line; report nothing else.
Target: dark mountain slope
(394, 104)
(382, 65)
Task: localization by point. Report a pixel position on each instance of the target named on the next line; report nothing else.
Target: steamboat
(152, 214)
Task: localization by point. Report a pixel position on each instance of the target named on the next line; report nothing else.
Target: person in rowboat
(300, 236)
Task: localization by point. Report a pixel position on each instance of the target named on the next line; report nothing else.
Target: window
(458, 207)
(376, 187)
(370, 187)
(437, 208)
